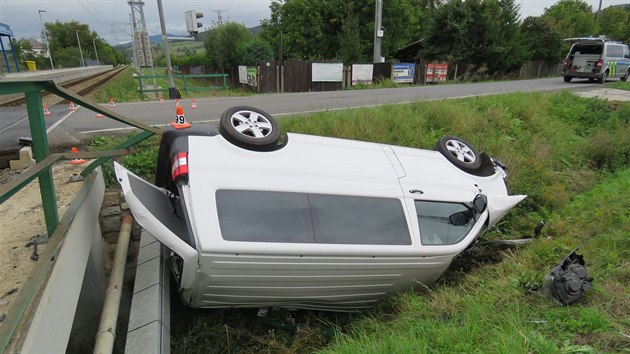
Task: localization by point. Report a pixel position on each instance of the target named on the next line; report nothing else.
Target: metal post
(599, 10)
(172, 91)
(46, 38)
(96, 53)
(4, 52)
(40, 150)
(80, 51)
(378, 33)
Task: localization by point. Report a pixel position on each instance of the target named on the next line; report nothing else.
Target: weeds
(569, 154)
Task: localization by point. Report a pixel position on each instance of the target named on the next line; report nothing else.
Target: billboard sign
(362, 73)
(403, 72)
(5, 30)
(436, 72)
(327, 72)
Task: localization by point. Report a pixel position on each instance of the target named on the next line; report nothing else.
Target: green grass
(125, 88)
(571, 155)
(621, 85)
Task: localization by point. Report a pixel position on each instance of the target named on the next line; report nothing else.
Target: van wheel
(250, 128)
(459, 153)
(603, 78)
(626, 76)
(568, 79)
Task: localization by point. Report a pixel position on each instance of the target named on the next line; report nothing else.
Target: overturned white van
(310, 222)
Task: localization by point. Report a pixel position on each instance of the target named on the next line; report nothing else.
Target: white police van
(596, 59)
(256, 219)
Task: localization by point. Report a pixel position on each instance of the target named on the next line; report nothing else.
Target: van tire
(460, 153)
(261, 131)
(602, 79)
(568, 79)
(626, 76)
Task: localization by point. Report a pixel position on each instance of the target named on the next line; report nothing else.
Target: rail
(42, 170)
(187, 87)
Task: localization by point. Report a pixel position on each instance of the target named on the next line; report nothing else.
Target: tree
(541, 38)
(573, 18)
(64, 47)
(221, 44)
(254, 51)
(340, 29)
(483, 33)
(615, 23)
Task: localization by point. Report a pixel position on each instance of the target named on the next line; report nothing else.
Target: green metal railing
(43, 171)
(187, 87)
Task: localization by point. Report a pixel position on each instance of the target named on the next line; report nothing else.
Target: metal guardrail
(186, 86)
(43, 171)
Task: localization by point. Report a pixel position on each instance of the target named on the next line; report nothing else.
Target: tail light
(179, 167)
(600, 63)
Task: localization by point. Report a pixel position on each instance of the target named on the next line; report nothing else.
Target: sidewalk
(606, 94)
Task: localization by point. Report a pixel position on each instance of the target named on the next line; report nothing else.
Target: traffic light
(191, 22)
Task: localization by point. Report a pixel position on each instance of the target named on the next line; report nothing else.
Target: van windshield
(595, 49)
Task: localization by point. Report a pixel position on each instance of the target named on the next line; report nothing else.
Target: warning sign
(436, 72)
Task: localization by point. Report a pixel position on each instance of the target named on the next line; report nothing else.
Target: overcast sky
(110, 18)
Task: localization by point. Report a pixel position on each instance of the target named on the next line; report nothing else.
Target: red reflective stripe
(180, 165)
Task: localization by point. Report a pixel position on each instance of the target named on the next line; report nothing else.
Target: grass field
(571, 155)
(621, 85)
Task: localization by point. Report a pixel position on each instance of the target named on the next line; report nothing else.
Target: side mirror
(480, 203)
(460, 218)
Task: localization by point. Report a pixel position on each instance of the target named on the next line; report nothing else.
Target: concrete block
(145, 307)
(110, 211)
(25, 159)
(147, 275)
(148, 252)
(145, 340)
(146, 238)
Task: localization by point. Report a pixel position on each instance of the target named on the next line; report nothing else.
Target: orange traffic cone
(194, 105)
(72, 107)
(180, 120)
(111, 102)
(161, 100)
(75, 151)
(46, 111)
(177, 102)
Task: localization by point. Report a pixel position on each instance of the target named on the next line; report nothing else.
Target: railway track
(81, 86)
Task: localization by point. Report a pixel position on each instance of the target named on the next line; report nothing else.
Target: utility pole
(172, 90)
(96, 53)
(219, 16)
(599, 10)
(378, 31)
(80, 51)
(143, 57)
(46, 38)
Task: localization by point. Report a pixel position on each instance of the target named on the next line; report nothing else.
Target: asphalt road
(72, 127)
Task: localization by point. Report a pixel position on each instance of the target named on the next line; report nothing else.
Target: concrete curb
(150, 317)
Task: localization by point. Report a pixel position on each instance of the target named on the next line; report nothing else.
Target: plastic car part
(566, 282)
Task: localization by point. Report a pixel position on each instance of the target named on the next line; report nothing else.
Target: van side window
(261, 216)
(626, 51)
(358, 220)
(435, 227)
(264, 216)
(615, 51)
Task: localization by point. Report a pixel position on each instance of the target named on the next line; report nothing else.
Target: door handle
(416, 191)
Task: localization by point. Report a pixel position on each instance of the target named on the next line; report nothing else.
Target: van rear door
(152, 208)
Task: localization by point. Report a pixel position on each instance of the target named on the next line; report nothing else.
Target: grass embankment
(621, 85)
(571, 155)
(125, 88)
